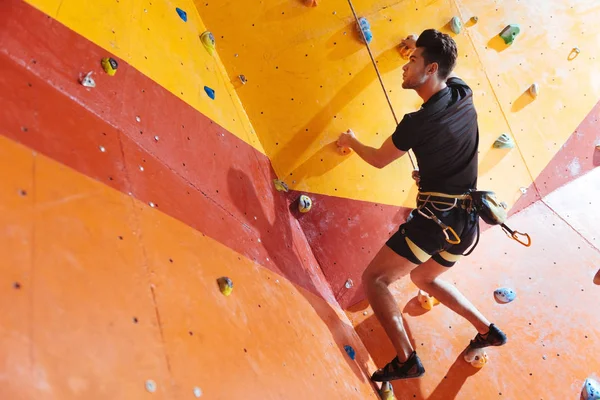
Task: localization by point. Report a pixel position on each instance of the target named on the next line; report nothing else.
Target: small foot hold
(87, 80)
(504, 142)
(426, 300)
(387, 391)
(182, 14)
(534, 90)
(109, 65)
(209, 92)
(350, 351)
(225, 285)
(311, 3)
(280, 185)
(476, 357)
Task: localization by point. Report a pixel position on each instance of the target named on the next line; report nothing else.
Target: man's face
(415, 71)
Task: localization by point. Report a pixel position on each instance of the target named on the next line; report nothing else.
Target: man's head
(432, 61)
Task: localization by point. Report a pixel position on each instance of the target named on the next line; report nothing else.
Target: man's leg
(427, 277)
(387, 267)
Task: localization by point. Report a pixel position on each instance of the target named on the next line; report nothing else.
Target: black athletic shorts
(420, 238)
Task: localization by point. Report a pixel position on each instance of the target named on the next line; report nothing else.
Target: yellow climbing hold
(426, 300)
(225, 285)
(304, 204)
(208, 40)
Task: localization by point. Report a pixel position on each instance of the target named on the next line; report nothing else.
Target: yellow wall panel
(310, 78)
(151, 37)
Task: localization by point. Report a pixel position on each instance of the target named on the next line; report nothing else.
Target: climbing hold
(509, 33)
(156, 138)
(225, 285)
(311, 3)
(474, 19)
(406, 50)
(590, 390)
(182, 14)
(197, 392)
(523, 190)
(349, 283)
(350, 351)
(365, 27)
(344, 150)
(504, 142)
(208, 40)
(534, 90)
(426, 300)
(210, 92)
(151, 386)
(281, 186)
(109, 65)
(304, 204)
(87, 80)
(597, 278)
(243, 79)
(456, 25)
(504, 295)
(476, 357)
(387, 391)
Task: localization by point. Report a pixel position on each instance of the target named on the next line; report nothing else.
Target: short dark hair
(440, 48)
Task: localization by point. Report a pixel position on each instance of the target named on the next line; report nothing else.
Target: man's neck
(428, 90)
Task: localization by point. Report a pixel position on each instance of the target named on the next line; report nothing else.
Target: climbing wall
(314, 79)
(124, 203)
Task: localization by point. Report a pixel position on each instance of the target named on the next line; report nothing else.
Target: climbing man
(444, 136)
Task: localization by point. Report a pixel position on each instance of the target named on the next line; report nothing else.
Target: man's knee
(419, 277)
(375, 276)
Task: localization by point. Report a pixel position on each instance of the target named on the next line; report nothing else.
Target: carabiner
(515, 235)
(449, 228)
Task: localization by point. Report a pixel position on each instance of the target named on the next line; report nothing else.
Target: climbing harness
(449, 205)
(483, 203)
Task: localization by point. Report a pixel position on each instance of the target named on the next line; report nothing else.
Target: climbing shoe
(412, 368)
(494, 337)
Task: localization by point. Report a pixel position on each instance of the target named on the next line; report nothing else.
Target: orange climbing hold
(311, 3)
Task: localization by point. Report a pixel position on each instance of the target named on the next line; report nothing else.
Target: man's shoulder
(456, 82)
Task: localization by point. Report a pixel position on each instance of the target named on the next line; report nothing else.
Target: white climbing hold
(523, 190)
(151, 386)
(156, 138)
(504, 295)
(590, 390)
(87, 80)
(365, 313)
(197, 392)
(102, 149)
(141, 168)
(349, 284)
(138, 119)
(504, 142)
(456, 25)
(534, 90)
(151, 204)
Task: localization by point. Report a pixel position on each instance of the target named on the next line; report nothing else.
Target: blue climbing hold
(350, 351)
(182, 14)
(210, 92)
(504, 295)
(365, 27)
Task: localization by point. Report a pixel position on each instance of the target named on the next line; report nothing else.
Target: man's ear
(432, 68)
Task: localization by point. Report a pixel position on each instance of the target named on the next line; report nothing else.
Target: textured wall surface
(122, 204)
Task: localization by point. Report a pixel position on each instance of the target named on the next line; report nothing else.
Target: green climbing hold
(456, 25)
(509, 33)
(504, 142)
